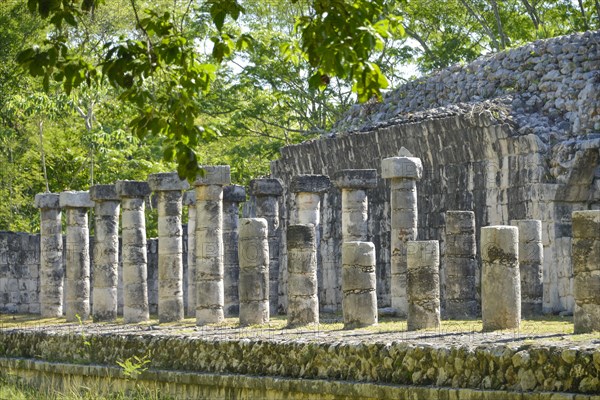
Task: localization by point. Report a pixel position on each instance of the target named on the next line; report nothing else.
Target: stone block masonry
(586, 268)
(106, 252)
(460, 275)
(358, 284)
(531, 260)
(169, 189)
(253, 271)
(189, 200)
(51, 271)
(423, 284)
(233, 195)
(76, 205)
(209, 244)
(303, 302)
(500, 280)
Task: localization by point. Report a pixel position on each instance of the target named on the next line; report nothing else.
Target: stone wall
(563, 368)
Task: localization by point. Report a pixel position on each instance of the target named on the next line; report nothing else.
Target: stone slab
(402, 167)
(104, 193)
(132, 189)
(355, 179)
(266, 187)
(234, 194)
(76, 199)
(214, 175)
(167, 181)
(47, 200)
(310, 184)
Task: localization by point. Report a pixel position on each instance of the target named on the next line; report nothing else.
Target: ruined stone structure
(514, 135)
(359, 304)
(253, 271)
(303, 307)
(531, 258)
(233, 195)
(189, 200)
(423, 284)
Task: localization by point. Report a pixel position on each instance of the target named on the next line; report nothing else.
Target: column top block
(104, 193)
(214, 175)
(132, 189)
(310, 184)
(253, 227)
(234, 194)
(47, 200)
(402, 167)
(72, 199)
(266, 187)
(166, 181)
(355, 179)
(358, 254)
(189, 198)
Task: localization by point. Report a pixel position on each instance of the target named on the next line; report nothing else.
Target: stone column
(355, 206)
(586, 270)
(308, 190)
(459, 275)
(531, 261)
(253, 271)
(209, 244)
(423, 284)
(266, 193)
(359, 304)
(169, 189)
(233, 195)
(189, 200)
(134, 253)
(106, 252)
(76, 205)
(51, 257)
(303, 301)
(500, 281)
(404, 172)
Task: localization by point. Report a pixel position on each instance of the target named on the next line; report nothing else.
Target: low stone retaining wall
(439, 365)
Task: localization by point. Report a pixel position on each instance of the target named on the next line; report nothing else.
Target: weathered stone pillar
(233, 195)
(586, 270)
(209, 244)
(531, 261)
(359, 304)
(355, 205)
(404, 172)
(106, 252)
(253, 271)
(500, 281)
(189, 200)
(308, 190)
(135, 258)
(423, 284)
(76, 205)
(51, 246)
(266, 193)
(169, 189)
(460, 266)
(303, 301)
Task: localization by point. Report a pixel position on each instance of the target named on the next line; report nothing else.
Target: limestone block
(531, 259)
(359, 303)
(76, 200)
(266, 187)
(355, 179)
(214, 175)
(310, 184)
(423, 284)
(402, 168)
(234, 194)
(132, 189)
(104, 193)
(47, 200)
(500, 280)
(166, 181)
(77, 258)
(189, 198)
(303, 307)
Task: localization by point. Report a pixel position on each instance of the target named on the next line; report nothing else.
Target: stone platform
(542, 360)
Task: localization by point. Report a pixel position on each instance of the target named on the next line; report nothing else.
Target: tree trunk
(43, 154)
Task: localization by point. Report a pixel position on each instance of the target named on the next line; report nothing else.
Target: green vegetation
(92, 91)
